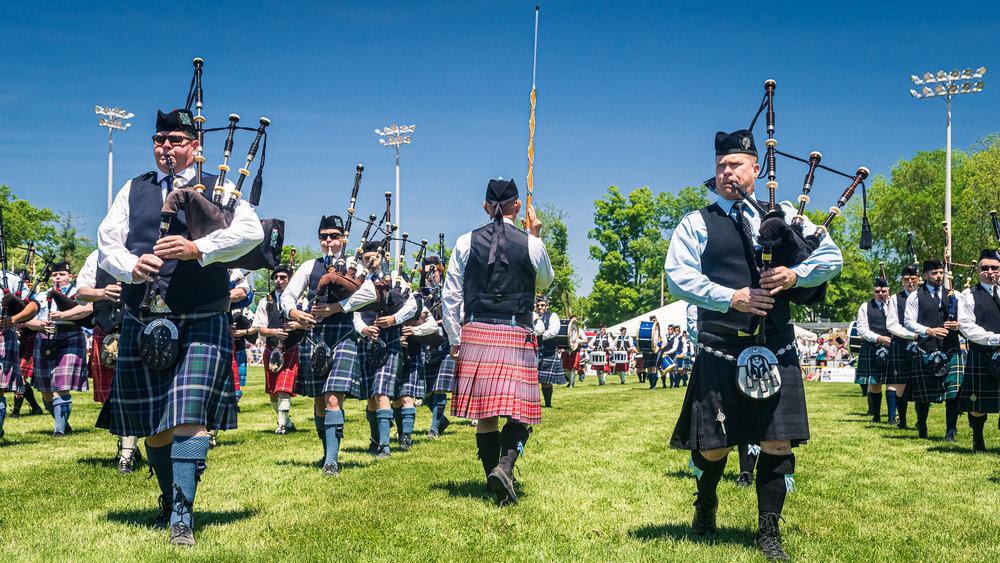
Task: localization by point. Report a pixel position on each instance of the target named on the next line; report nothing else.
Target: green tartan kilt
(928, 388)
(980, 390)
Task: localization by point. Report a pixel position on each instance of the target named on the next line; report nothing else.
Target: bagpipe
(13, 303)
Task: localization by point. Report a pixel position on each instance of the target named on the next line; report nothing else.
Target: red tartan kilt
(618, 368)
(100, 375)
(571, 360)
(497, 374)
(284, 380)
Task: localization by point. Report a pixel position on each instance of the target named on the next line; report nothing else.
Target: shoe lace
(181, 503)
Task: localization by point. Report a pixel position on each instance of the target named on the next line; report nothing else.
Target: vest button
(498, 298)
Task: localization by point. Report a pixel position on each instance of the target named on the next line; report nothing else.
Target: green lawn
(598, 483)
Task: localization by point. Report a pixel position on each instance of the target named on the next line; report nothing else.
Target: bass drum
(854, 339)
(569, 335)
(648, 340)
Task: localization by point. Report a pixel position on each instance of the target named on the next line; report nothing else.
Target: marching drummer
(600, 343)
(624, 345)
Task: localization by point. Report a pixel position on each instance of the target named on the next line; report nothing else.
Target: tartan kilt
(342, 340)
(550, 368)
(497, 374)
(10, 362)
(198, 389)
(868, 371)
(27, 338)
(927, 388)
(100, 376)
(284, 380)
(712, 390)
(382, 381)
(410, 382)
(68, 370)
(900, 363)
(571, 360)
(440, 378)
(980, 390)
(650, 360)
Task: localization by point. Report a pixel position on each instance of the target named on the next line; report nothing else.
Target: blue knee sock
(409, 413)
(187, 456)
(652, 380)
(68, 406)
(442, 406)
(890, 403)
(334, 423)
(321, 430)
(48, 407)
(397, 415)
(159, 460)
(372, 425)
(3, 412)
(59, 412)
(384, 418)
(435, 411)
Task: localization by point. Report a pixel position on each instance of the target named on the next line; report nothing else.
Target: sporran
(757, 373)
(158, 346)
(109, 349)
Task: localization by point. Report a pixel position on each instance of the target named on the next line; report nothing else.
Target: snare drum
(648, 340)
(619, 357)
(598, 358)
(854, 339)
(569, 335)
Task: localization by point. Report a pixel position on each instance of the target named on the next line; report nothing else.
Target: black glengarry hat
(737, 142)
(880, 282)
(502, 192)
(60, 267)
(176, 120)
(331, 222)
(988, 254)
(281, 269)
(499, 193)
(910, 271)
(931, 265)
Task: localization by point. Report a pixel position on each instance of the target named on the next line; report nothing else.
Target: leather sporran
(158, 345)
(321, 359)
(882, 357)
(276, 360)
(936, 364)
(376, 355)
(49, 347)
(109, 349)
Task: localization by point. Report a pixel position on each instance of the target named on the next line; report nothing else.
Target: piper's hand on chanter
(324, 310)
(56, 316)
(385, 322)
(279, 333)
(454, 351)
(756, 301)
(370, 332)
(176, 246)
(147, 267)
(407, 330)
(951, 325)
(112, 292)
(536, 226)
(6, 322)
(303, 318)
(291, 325)
(938, 332)
(884, 340)
(778, 279)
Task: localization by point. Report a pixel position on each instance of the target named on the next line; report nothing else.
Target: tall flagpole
(531, 123)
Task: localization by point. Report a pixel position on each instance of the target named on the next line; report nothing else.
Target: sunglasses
(330, 236)
(989, 268)
(176, 140)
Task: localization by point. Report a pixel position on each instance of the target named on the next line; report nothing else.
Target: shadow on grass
(110, 462)
(472, 488)
(952, 449)
(682, 532)
(201, 518)
(342, 465)
(678, 474)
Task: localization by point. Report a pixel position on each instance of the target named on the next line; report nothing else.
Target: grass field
(598, 483)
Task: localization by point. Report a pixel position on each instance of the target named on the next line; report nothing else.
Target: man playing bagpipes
(60, 357)
(281, 356)
(412, 377)
(14, 312)
(931, 313)
(546, 326)
(439, 366)
(873, 362)
(572, 360)
(173, 380)
(979, 321)
(104, 292)
(330, 333)
(900, 349)
(493, 276)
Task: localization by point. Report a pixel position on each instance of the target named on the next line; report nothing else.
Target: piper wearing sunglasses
(979, 321)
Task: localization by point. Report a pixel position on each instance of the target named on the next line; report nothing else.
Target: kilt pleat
(381, 381)
(440, 377)
(900, 363)
(198, 389)
(342, 340)
(68, 370)
(10, 362)
(980, 390)
(282, 381)
(550, 368)
(410, 382)
(713, 393)
(868, 371)
(497, 374)
(571, 360)
(100, 376)
(928, 388)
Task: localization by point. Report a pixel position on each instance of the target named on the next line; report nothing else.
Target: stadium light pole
(393, 136)
(948, 84)
(114, 119)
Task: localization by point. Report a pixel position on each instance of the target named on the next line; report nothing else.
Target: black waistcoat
(723, 263)
(932, 314)
(274, 317)
(185, 285)
(900, 314)
(548, 344)
(318, 271)
(876, 319)
(986, 309)
(500, 288)
(104, 310)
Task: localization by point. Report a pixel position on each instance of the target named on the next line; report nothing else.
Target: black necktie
(741, 218)
(996, 297)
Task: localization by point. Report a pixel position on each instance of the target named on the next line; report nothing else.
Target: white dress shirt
(688, 242)
(260, 315)
(453, 298)
(88, 274)
(240, 237)
(550, 331)
(399, 317)
(893, 322)
(298, 286)
(864, 331)
(967, 320)
(910, 315)
(43, 304)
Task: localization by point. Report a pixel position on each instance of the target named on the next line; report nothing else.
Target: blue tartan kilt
(440, 377)
(10, 362)
(342, 340)
(868, 371)
(410, 382)
(928, 388)
(900, 363)
(68, 370)
(550, 368)
(198, 389)
(382, 381)
(980, 390)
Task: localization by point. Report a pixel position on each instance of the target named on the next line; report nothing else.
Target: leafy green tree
(25, 223)
(555, 236)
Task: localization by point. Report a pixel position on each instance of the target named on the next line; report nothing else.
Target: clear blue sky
(629, 94)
